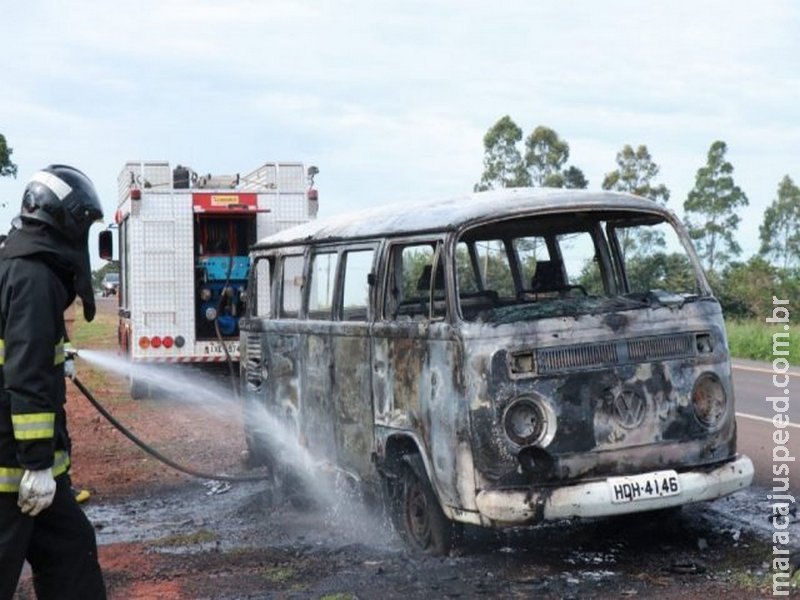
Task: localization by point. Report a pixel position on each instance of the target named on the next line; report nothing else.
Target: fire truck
(183, 239)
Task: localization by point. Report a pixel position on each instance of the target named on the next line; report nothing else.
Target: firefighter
(44, 265)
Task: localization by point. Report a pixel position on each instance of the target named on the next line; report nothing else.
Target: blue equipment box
(217, 267)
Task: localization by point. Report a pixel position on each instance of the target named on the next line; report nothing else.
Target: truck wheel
(417, 516)
(139, 389)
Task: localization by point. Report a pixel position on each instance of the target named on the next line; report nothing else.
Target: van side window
(409, 282)
(291, 286)
(355, 285)
(263, 277)
(322, 284)
(654, 258)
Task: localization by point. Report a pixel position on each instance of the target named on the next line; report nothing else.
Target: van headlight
(528, 421)
(709, 400)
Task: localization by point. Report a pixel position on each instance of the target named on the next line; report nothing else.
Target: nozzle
(70, 353)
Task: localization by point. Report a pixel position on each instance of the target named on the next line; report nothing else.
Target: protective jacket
(35, 288)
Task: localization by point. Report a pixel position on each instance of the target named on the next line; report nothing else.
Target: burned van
(498, 359)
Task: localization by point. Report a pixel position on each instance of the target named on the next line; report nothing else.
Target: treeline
(711, 210)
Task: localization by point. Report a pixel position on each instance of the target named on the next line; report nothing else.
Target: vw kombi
(497, 359)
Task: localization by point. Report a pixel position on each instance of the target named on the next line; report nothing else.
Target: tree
(710, 209)
(635, 173)
(7, 168)
(575, 179)
(780, 231)
(502, 161)
(545, 156)
(741, 288)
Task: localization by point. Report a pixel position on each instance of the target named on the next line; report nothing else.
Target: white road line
(762, 370)
(765, 420)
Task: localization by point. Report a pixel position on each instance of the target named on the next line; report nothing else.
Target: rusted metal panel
(400, 354)
(317, 413)
(351, 391)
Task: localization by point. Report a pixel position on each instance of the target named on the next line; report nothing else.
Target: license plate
(216, 348)
(658, 484)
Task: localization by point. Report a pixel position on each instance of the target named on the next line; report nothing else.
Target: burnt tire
(416, 514)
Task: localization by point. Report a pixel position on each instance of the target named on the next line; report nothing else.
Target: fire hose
(152, 451)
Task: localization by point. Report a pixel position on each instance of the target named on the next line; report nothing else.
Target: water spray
(331, 487)
(72, 353)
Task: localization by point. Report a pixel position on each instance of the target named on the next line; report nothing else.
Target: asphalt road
(753, 384)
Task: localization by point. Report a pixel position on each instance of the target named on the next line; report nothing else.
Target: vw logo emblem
(629, 408)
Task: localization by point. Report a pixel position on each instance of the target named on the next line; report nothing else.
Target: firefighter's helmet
(64, 198)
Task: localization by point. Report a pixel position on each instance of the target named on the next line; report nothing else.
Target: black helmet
(64, 198)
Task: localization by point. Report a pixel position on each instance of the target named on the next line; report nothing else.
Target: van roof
(453, 213)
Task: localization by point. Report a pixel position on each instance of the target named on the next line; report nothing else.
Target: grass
(753, 340)
(278, 574)
(100, 333)
(195, 538)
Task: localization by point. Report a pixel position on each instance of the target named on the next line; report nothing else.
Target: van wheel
(417, 516)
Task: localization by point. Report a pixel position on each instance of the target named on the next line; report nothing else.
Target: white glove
(69, 368)
(36, 491)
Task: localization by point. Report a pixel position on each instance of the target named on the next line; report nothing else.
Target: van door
(414, 358)
(400, 337)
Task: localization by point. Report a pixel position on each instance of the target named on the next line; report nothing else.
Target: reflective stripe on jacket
(10, 477)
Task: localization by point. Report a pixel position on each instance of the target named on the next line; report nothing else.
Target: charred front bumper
(614, 495)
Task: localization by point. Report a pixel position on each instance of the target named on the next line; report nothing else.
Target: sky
(391, 99)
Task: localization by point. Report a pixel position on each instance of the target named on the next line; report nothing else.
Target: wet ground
(242, 542)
